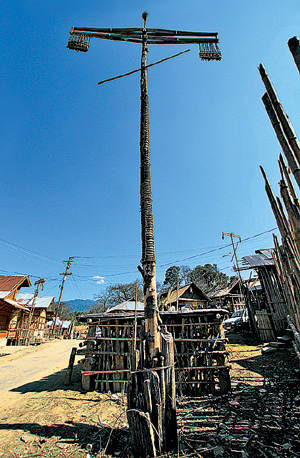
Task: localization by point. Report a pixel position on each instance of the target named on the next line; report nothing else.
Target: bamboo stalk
(285, 175)
(284, 120)
(288, 152)
(294, 47)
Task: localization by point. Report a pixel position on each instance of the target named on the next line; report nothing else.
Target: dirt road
(42, 418)
(31, 369)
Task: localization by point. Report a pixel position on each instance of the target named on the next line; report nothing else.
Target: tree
(116, 294)
(101, 303)
(172, 277)
(65, 312)
(208, 277)
(177, 275)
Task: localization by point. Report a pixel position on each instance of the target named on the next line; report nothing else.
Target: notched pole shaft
(147, 231)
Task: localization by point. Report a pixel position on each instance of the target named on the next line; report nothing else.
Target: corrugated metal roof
(264, 258)
(11, 282)
(40, 302)
(128, 306)
(16, 305)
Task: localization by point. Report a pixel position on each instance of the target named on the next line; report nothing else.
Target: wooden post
(70, 367)
(147, 232)
(294, 47)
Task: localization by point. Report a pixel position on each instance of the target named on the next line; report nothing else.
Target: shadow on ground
(80, 434)
(53, 382)
(277, 365)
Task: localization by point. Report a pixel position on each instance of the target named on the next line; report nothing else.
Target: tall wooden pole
(147, 232)
(65, 274)
(151, 397)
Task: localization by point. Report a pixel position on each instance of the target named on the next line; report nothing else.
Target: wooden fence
(200, 350)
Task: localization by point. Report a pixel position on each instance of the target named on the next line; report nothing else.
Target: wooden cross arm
(138, 32)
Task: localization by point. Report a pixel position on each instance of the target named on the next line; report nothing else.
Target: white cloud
(100, 280)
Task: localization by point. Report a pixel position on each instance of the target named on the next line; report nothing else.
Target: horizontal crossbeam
(133, 31)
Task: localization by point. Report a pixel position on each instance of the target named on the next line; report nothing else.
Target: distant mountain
(80, 305)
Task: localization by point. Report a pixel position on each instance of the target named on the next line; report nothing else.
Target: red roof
(11, 282)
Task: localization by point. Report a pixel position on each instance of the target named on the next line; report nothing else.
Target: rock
(25, 438)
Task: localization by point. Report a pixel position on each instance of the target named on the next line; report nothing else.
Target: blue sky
(70, 148)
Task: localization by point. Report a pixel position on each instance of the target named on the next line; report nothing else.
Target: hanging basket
(79, 43)
(209, 51)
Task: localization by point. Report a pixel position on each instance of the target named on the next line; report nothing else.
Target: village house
(184, 298)
(31, 325)
(230, 298)
(10, 309)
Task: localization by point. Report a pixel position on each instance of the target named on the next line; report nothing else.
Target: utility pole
(65, 274)
(231, 235)
(38, 284)
(152, 431)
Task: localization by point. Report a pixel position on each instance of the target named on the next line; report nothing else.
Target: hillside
(80, 305)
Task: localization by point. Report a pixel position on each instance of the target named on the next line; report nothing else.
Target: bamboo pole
(292, 161)
(294, 47)
(284, 119)
(285, 174)
(292, 212)
(278, 216)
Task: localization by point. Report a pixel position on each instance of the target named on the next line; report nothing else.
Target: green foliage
(172, 277)
(177, 275)
(206, 277)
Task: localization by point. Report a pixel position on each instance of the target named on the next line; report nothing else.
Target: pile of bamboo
(286, 254)
(199, 347)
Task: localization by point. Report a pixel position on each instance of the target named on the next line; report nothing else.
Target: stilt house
(10, 309)
(40, 310)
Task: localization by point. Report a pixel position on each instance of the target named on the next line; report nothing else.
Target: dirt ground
(259, 418)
